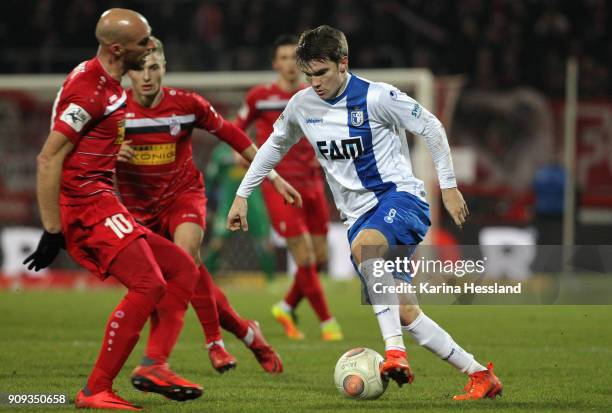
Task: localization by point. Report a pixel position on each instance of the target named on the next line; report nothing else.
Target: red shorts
(95, 232)
(185, 207)
(290, 221)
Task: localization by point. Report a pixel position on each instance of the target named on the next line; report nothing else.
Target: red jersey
(89, 111)
(162, 166)
(264, 104)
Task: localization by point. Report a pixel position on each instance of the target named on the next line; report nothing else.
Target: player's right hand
(126, 152)
(237, 216)
(287, 191)
(48, 248)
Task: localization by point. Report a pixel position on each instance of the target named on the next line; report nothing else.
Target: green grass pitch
(550, 358)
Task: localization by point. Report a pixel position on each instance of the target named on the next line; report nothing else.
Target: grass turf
(550, 358)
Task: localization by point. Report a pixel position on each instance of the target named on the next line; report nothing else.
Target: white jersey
(359, 141)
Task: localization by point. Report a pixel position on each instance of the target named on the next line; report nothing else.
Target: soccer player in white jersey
(354, 126)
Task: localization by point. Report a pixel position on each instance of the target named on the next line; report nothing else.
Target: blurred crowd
(498, 44)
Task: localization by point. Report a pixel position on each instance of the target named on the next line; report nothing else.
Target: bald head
(121, 26)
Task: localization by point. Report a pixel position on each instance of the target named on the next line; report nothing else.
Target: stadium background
(499, 70)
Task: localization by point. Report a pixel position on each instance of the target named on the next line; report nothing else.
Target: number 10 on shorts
(119, 224)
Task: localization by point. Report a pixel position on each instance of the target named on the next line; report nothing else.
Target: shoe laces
(475, 379)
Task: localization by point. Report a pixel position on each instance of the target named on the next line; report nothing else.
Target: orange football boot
(396, 367)
(221, 359)
(269, 359)
(106, 399)
(482, 384)
(158, 378)
(286, 319)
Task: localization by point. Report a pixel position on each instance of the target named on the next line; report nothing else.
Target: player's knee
(321, 257)
(409, 313)
(302, 252)
(192, 249)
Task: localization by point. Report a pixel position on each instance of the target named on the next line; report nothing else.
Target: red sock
(205, 306)
(229, 318)
(135, 268)
(294, 295)
(181, 277)
(308, 279)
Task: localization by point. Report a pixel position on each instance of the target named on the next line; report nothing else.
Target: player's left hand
(126, 152)
(455, 205)
(237, 216)
(48, 248)
(291, 195)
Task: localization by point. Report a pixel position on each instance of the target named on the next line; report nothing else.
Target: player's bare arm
(48, 176)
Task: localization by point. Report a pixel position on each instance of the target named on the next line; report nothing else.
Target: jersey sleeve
(286, 133)
(74, 112)
(206, 116)
(247, 112)
(395, 108)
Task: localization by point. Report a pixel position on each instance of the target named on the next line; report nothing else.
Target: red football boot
(221, 359)
(396, 367)
(104, 400)
(269, 359)
(482, 384)
(158, 378)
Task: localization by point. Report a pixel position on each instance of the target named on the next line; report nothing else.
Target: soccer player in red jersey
(80, 211)
(305, 229)
(163, 189)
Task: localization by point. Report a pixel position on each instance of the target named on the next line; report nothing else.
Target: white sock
(390, 326)
(430, 335)
(248, 337)
(386, 307)
(326, 322)
(218, 342)
(285, 307)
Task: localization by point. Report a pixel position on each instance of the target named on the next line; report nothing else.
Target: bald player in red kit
(80, 211)
(164, 190)
(304, 229)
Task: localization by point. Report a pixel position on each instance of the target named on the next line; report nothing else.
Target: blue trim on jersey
(367, 169)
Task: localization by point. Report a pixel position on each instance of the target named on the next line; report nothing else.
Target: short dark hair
(283, 40)
(322, 43)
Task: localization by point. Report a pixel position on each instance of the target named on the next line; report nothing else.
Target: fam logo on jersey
(357, 117)
(75, 116)
(175, 126)
(340, 149)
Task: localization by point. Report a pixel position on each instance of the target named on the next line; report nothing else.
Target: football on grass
(357, 374)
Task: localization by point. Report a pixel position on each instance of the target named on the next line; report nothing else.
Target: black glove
(48, 248)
